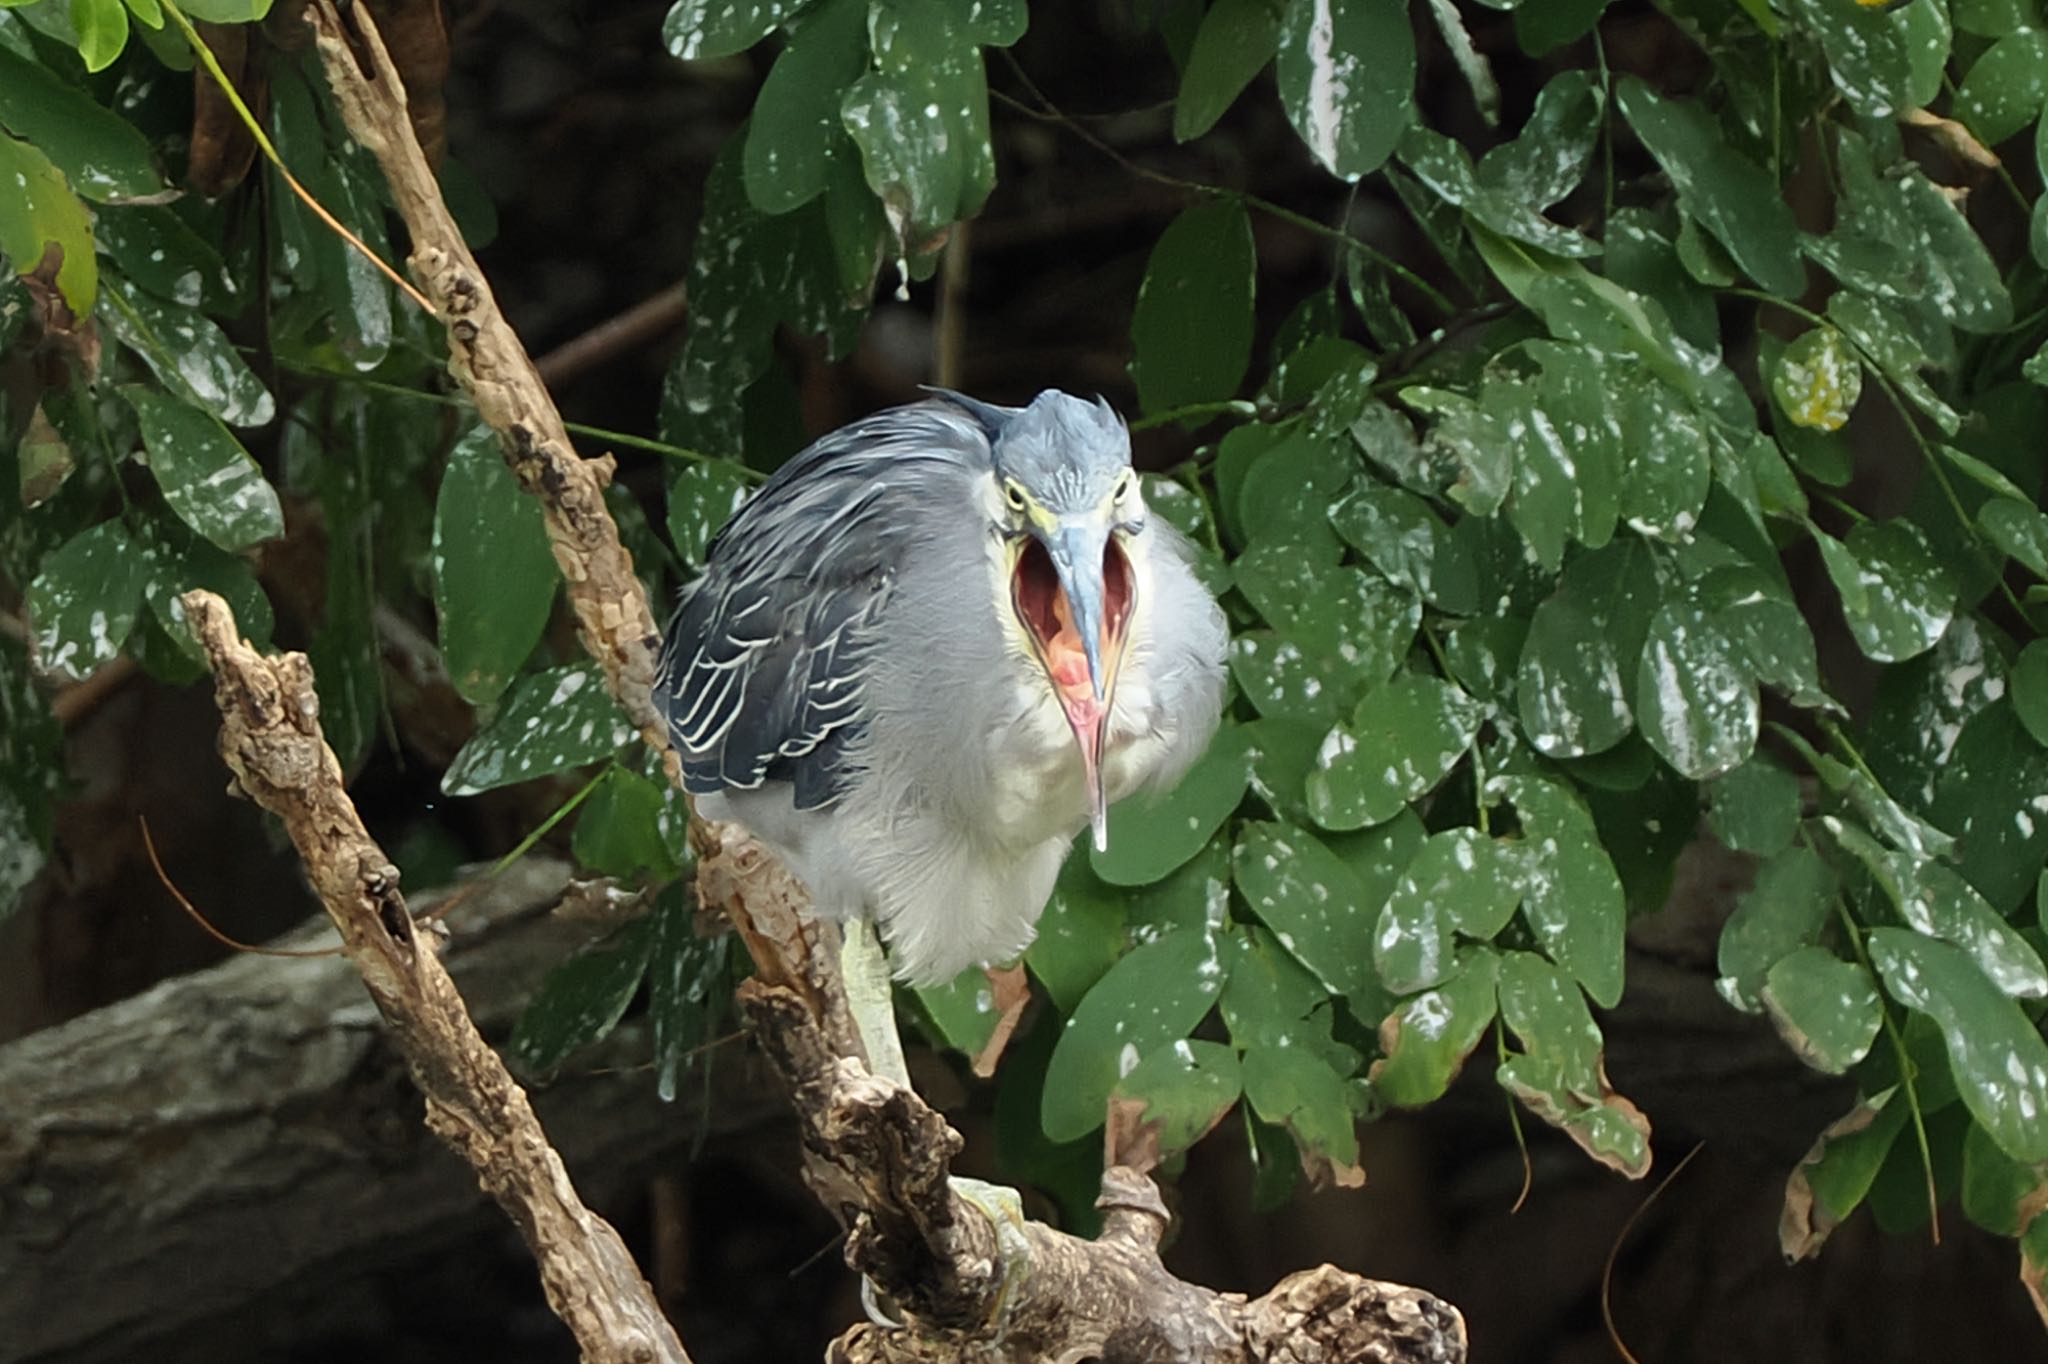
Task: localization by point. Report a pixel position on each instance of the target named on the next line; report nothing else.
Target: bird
(932, 648)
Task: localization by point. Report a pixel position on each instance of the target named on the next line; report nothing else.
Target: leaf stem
(1233, 407)
(1905, 1060)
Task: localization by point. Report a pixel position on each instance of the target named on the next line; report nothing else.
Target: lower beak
(1077, 550)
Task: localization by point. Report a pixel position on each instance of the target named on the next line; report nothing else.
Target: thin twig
(636, 326)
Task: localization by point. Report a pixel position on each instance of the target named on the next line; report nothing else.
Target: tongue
(1065, 658)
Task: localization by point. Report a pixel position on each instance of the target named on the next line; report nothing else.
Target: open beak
(1073, 590)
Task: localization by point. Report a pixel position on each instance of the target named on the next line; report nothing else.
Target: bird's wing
(763, 667)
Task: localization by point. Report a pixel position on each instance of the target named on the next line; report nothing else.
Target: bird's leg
(870, 998)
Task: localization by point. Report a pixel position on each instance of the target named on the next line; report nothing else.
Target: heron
(931, 649)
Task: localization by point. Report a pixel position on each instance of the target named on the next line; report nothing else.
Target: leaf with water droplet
(1080, 935)
(697, 30)
(1896, 596)
(1150, 999)
(1583, 642)
(1669, 468)
(548, 721)
(1997, 1055)
(686, 986)
(1314, 903)
(1695, 697)
(208, 479)
(1883, 338)
(2020, 529)
(1442, 164)
(1784, 911)
(155, 248)
(582, 1000)
(1273, 1001)
(1825, 1008)
(1571, 894)
(40, 213)
(494, 572)
(796, 115)
(191, 356)
(1549, 155)
(1560, 1074)
(1235, 41)
(2003, 90)
(1403, 739)
(180, 561)
(1818, 380)
(700, 501)
(1150, 833)
(618, 829)
(102, 155)
(1425, 1041)
(84, 601)
(1346, 71)
(1185, 1090)
(1461, 883)
(1866, 54)
(1754, 808)
(1297, 1090)
(1191, 335)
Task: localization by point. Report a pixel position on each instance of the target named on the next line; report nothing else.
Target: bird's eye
(1126, 483)
(1013, 495)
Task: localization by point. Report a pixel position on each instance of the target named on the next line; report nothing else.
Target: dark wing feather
(762, 668)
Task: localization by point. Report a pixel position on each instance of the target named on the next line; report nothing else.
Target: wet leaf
(1695, 698)
(180, 561)
(963, 1010)
(1669, 468)
(84, 601)
(1549, 156)
(1235, 41)
(156, 250)
(1996, 1189)
(1080, 935)
(1402, 536)
(1312, 900)
(41, 212)
(1191, 335)
(1998, 1058)
(1584, 640)
(208, 479)
(1834, 1178)
(102, 27)
(1460, 884)
(1754, 808)
(1571, 894)
(1152, 998)
(1576, 394)
(1150, 834)
(1993, 791)
(494, 572)
(1442, 164)
(1403, 739)
(1784, 911)
(2004, 88)
(1560, 1074)
(1185, 1089)
(700, 501)
(101, 155)
(582, 1000)
(1426, 1040)
(1867, 55)
(1298, 1090)
(190, 355)
(1273, 1001)
(1825, 1008)
(1896, 596)
(618, 830)
(548, 721)
(1758, 614)
(1726, 193)
(2019, 529)
(685, 986)
(795, 123)
(1346, 70)
(1818, 380)
(702, 29)
(2030, 689)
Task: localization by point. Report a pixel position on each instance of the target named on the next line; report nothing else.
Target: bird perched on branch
(928, 652)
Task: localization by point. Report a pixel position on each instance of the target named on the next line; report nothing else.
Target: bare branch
(270, 739)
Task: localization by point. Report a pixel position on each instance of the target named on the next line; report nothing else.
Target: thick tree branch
(270, 739)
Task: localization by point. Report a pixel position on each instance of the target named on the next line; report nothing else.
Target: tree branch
(270, 739)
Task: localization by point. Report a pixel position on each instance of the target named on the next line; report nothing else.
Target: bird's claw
(1004, 1209)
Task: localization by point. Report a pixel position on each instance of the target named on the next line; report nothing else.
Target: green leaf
(795, 123)
(1402, 536)
(1426, 1040)
(1346, 70)
(1818, 380)
(1549, 156)
(208, 479)
(1726, 193)
(1896, 595)
(1669, 468)
(963, 1011)
(2030, 689)
(1186, 1089)
(1584, 640)
(1461, 883)
(1695, 698)
(1545, 504)
(1236, 40)
(180, 561)
(1867, 55)
(22, 856)
(1571, 894)
(1080, 935)
(1297, 1090)
(1576, 394)
(84, 601)
(1191, 336)
(1443, 165)
(1349, 632)
(2003, 91)
(2003, 838)
(226, 11)
(1404, 738)
(1151, 834)
(1785, 910)
(700, 501)
(102, 27)
(191, 356)
(582, 1000)
(1754, 808)
(1998, 1058)
(550, 720)
(1826, 1009)
(41, 212)
(102, 155)
(155, 248)
(494, 572)
(618, 830)
(1559, 1075)
(1273, 1001)
(1996, 1189)
(1836, 1175)
(1313, 901)
(1757, 612)
(1150, 999)
(685, 979)
(702, 29)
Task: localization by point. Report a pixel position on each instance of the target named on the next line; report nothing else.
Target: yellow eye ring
(1013, 495)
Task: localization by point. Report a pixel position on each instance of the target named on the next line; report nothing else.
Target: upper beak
(1076, 546)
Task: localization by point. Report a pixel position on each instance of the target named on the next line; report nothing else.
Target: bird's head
(1070, 505)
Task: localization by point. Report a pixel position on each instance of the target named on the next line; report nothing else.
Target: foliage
(1528, 542)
